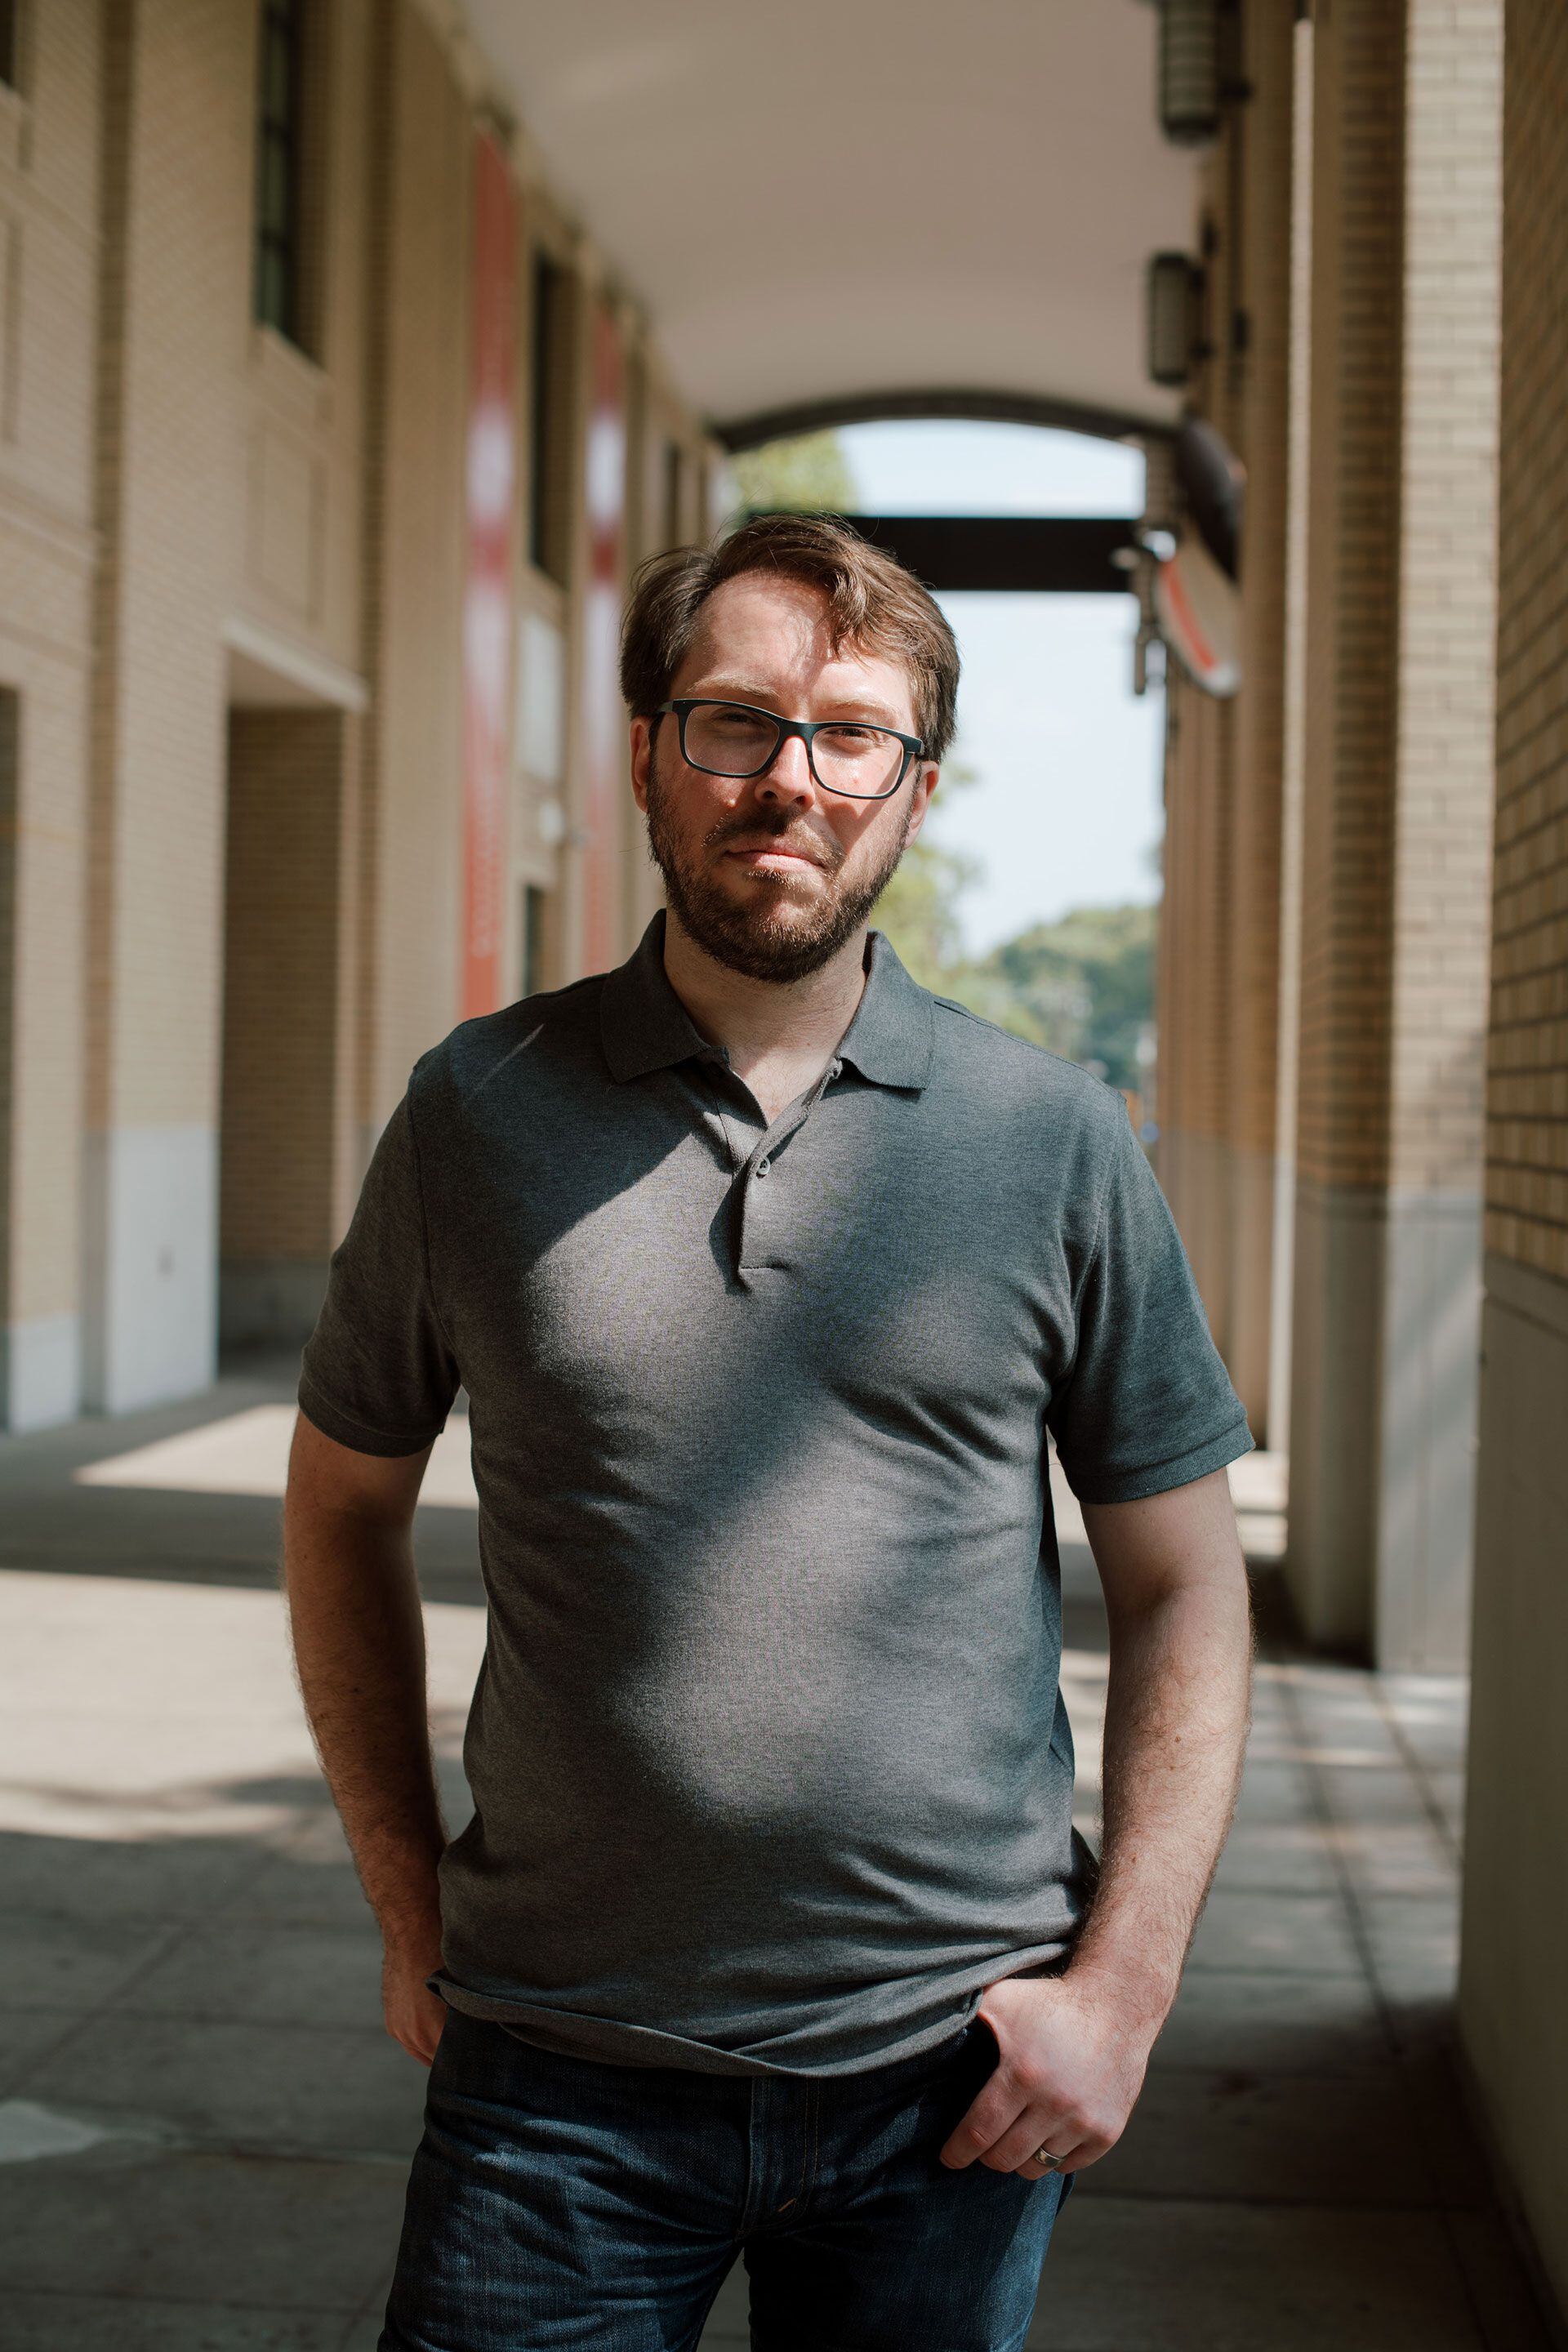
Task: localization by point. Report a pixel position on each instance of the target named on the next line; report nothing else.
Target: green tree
(808, 476)
(1085, 985)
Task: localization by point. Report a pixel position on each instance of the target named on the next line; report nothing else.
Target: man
(766, 1274)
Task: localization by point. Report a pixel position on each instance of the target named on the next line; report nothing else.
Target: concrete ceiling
(831, 200)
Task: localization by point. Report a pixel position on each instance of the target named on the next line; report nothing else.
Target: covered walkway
(355, 353)
(194, 2052)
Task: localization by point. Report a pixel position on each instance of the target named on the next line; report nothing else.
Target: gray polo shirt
(770, 1768)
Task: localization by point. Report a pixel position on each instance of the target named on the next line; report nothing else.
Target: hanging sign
(1199, 611)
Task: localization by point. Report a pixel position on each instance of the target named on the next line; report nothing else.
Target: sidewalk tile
(1177, 2275)
(1239, 1930)
(26, 2035)
(142, 1880)
(191, 2226)
(1274, 2022)
(342, 2090)
(1335, 2139)
(54, 1961)
(263, 1975)
(83, 2323)
(1278, 1857)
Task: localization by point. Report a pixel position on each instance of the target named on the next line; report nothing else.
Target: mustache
(750, 833)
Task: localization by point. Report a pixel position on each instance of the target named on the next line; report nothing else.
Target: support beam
(1069, 555)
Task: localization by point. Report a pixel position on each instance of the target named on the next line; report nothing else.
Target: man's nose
(787, 776)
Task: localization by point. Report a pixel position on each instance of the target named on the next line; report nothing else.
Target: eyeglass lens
(729, 739)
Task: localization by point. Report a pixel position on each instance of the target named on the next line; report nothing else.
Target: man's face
(770, 874)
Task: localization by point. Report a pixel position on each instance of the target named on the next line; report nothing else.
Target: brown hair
(872, 601)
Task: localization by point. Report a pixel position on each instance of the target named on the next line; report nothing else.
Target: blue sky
(1066, 811)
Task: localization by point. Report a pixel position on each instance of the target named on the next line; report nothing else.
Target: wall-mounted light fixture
(1190, 73)
(1173, 291)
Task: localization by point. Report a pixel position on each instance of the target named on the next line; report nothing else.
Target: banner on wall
(604, 732)
(488, 623)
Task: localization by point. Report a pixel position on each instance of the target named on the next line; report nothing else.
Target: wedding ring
(1044, 2156)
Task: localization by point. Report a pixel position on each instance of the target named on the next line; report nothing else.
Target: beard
(770, 934)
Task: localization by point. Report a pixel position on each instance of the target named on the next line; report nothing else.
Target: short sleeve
(1147, 1403)
(378, 1373)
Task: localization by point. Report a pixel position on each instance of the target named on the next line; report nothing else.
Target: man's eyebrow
(733, 690)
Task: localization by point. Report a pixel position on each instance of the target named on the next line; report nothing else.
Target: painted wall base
(1385, 1342)
(1514, 2022)
(1426, 1471)
(40, 1371)
(151, 1326)
(270, 1303)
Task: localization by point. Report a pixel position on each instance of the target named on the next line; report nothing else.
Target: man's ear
(921, 799)
(642, 739)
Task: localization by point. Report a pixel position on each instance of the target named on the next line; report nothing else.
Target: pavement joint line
(1418, 1768)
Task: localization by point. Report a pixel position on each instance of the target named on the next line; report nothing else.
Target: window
(552, 390)
(280, 106)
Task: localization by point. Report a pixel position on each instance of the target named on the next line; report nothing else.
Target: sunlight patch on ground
(135, 1712)
(29, 2131)
(247, 1453)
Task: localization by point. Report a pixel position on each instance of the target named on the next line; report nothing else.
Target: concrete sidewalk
(207, 2131)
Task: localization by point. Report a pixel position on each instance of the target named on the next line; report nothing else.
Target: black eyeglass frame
(806, 729)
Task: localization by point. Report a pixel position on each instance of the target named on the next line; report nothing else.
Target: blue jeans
(560, 2201)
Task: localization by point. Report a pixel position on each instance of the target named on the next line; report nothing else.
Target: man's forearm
(1177, 1720)
(359, 1647)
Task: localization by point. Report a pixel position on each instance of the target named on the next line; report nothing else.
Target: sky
(1066, 808)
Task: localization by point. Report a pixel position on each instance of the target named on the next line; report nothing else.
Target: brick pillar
(1259, 345)
(1511, 1971)
(1193, 996)
(1396, 821)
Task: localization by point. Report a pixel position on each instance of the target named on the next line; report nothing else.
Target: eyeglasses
(847, 756)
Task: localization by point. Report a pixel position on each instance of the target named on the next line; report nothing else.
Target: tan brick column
(1396, 821)
(1191, 1155)
(1259, 408)
(1511, 1974)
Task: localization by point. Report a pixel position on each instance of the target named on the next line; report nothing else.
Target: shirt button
(762, 1167)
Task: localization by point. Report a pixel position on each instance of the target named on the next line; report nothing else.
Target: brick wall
(1527, 1073)
(1353, 593)
(1440, 904)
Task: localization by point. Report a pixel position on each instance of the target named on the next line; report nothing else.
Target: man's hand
(1069, 2070)
(415, 2015)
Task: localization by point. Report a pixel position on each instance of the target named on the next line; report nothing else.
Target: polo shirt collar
(644, 1025)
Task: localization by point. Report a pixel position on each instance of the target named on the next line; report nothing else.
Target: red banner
(604, 732)
(490, 498)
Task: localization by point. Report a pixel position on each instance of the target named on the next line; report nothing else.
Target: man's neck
(779, 1035)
